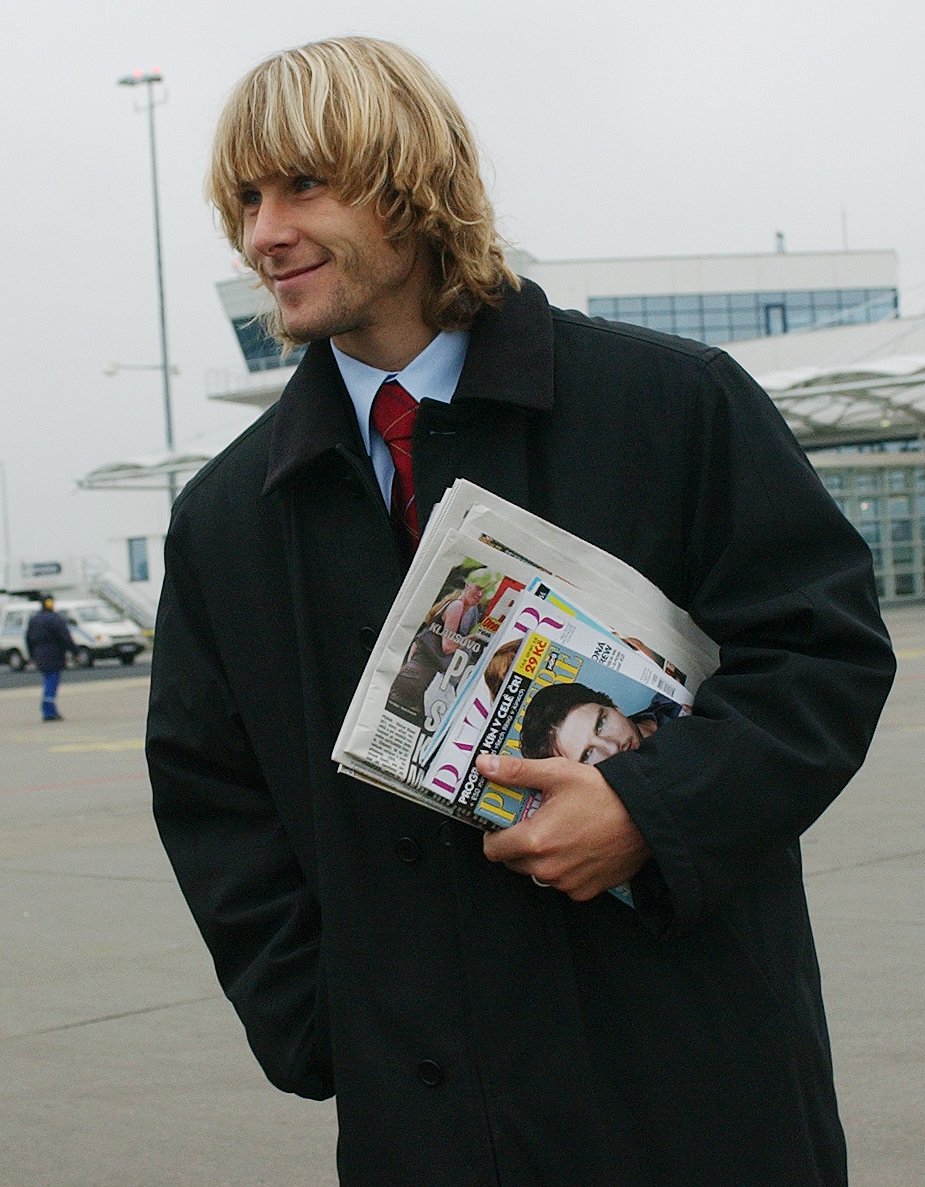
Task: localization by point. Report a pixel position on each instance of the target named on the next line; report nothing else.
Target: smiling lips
(295, 273)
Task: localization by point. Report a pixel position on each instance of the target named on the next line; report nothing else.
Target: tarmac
(123, 1066)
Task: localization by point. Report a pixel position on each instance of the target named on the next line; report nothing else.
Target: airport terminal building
(821, 331)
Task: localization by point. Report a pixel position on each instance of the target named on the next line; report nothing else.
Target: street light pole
(7, 554)
(139, 78)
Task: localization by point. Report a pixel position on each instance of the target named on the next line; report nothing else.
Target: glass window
(904, 585)
(603, 307)
(900, 505)
(901, 531)
(687, 303)
(870, 508)
(903, 554)
(866, 481)
(689, 327)
(775, 319)
(657, 305)
(919, 479)
(877, 555)
(719, 302)
(798, 318)
(897, 480)
(138, 559)
(870, 532)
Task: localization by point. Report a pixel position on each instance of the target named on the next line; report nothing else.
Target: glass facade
(887, 506)
(728, 317)
(261, 352)
(138, 558)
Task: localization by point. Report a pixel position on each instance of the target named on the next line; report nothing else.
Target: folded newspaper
(512, 636)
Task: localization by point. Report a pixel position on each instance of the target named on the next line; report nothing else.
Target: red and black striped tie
(393, 415)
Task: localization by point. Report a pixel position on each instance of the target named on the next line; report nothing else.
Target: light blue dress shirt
(434, 373)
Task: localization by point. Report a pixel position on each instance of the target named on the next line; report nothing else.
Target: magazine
(498, 605)
(539, 609)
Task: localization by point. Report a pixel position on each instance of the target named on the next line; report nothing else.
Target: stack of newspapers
(498, 610)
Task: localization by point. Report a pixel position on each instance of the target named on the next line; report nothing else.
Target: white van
(99, 631)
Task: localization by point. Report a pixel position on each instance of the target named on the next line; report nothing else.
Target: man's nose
(273, 227)
(607, 746)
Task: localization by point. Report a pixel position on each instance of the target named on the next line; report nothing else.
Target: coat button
(408, 850)
(368, 637)
(430, 1073)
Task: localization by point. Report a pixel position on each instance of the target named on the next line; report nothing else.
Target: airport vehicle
(99, 631)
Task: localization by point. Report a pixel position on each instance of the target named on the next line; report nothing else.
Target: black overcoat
(479, 1030)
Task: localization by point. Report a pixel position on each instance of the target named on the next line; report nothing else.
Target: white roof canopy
(145, 473)
(852, 403)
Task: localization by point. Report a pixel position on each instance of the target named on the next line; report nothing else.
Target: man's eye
(585, 756)
(302, 183)
(599, 724)
(250, 197)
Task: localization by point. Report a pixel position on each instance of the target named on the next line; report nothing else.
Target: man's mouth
(294, 273)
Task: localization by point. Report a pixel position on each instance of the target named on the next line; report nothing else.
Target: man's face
(591, 733)
(329, 265)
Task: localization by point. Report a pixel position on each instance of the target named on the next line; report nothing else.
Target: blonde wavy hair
(373, 122)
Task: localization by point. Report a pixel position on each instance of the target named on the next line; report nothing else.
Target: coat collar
(509, 360)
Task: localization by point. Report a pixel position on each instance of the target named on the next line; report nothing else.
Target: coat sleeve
(64, 635)
(783, 583)
(233, 859)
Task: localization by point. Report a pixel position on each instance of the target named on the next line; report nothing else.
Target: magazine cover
(469, 607)
(557, 701)
(539, 609)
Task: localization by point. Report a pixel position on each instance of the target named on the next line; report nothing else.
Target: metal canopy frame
(852, 405)
(145, 473)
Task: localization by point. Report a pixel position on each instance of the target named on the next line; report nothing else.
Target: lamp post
(7, 556)
(136, 79)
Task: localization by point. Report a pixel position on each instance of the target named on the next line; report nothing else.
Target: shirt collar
(434, 374)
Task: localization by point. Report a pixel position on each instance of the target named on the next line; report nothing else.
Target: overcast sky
(609, 129)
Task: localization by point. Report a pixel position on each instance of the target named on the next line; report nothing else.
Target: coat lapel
(506, 382)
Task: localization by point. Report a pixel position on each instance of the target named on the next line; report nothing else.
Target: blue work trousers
(49, 695)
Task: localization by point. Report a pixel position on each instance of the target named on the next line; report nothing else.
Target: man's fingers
(540, 774)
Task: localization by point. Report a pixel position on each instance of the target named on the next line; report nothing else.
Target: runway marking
(48, 1030)
(78, 688)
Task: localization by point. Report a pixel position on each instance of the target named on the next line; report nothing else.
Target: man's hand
(581, 839)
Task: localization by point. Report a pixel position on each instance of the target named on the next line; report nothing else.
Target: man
(583, 724)
(48, 641)
(479, 1029)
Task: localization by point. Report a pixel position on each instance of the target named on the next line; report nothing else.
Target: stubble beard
(348, 307)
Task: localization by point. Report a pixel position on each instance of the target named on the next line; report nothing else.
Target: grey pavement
(123, 1066)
